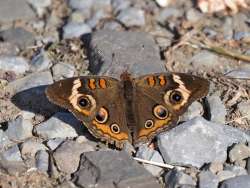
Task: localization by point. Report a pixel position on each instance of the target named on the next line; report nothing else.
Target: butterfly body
(129, 109)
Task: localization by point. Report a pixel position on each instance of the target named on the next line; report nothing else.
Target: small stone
(19, 129)
(176, 178)
(12, 154)
(237, 182)
(194, 110)
(19, 65)
(179, 145)
(215, 167)
(8, 49)
(243, 36)
(61, 125)
(205, 60)
(193, 15)
(209, 32)
(40, 6)
(15, 10)
(63, 70)
(77, 17)
(244, 109)
(71, 30)
(30, 147)
(237, 170)
(18, 36)
(130, 51)
(119, 5)
(4, 140)
(241, 73)
(81, 4)
(225, 174)
(112, 25)
(67, 156)
(239, 152)
(167, 13)
(42, 160)
(40, 62)
(104, 169)
(144, 152)
(54, 143)
(97, 17)
(31, 81)
(208, 180)
(132, 17)
(217, 109)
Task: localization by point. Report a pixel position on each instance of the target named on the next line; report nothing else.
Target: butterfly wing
(97, 102)
(159, 100)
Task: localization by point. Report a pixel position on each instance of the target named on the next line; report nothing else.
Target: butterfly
(129, 109)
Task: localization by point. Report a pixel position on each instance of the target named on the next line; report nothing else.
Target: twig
(163, 165)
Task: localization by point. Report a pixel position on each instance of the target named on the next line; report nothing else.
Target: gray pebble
(63, 70)
(4, 140)
(208, 180)
(12, 154)
(241, 73)
(61, 125)
(217, 109)
(194, 110)
(15, 10)
(42, 160)
(176, 178)
(237, 170)
(19, 129)
(40, 6)
(237, 182)
(81, 4)
(132, 17)
(180, 145)
(193, 15)
(112, 53)
(18, 36)
(40, 62)
(19, 65)
(244, 109)
(119, 5)
(243, 36)
(168, 12)
(71, 30)
(30, 147)
(54, 143)
(31, 81)
(97, 17)
(112, 25)
(205, 60)
(144, 152)
(104, 169)
(239, 152)
(67, 156)
(225, 174)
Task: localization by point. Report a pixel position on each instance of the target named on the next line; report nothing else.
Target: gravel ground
(43, 41)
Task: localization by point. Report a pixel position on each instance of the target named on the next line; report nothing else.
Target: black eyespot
(160, 112)
(83, 102)
(176, 97)
(149, 124)
(115, 128)
(102, 115)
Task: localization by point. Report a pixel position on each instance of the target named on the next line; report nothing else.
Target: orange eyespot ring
(83, 101)
(160, 112)
(149, 124)
(175, 97)
(115, 128)
(102, 115)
